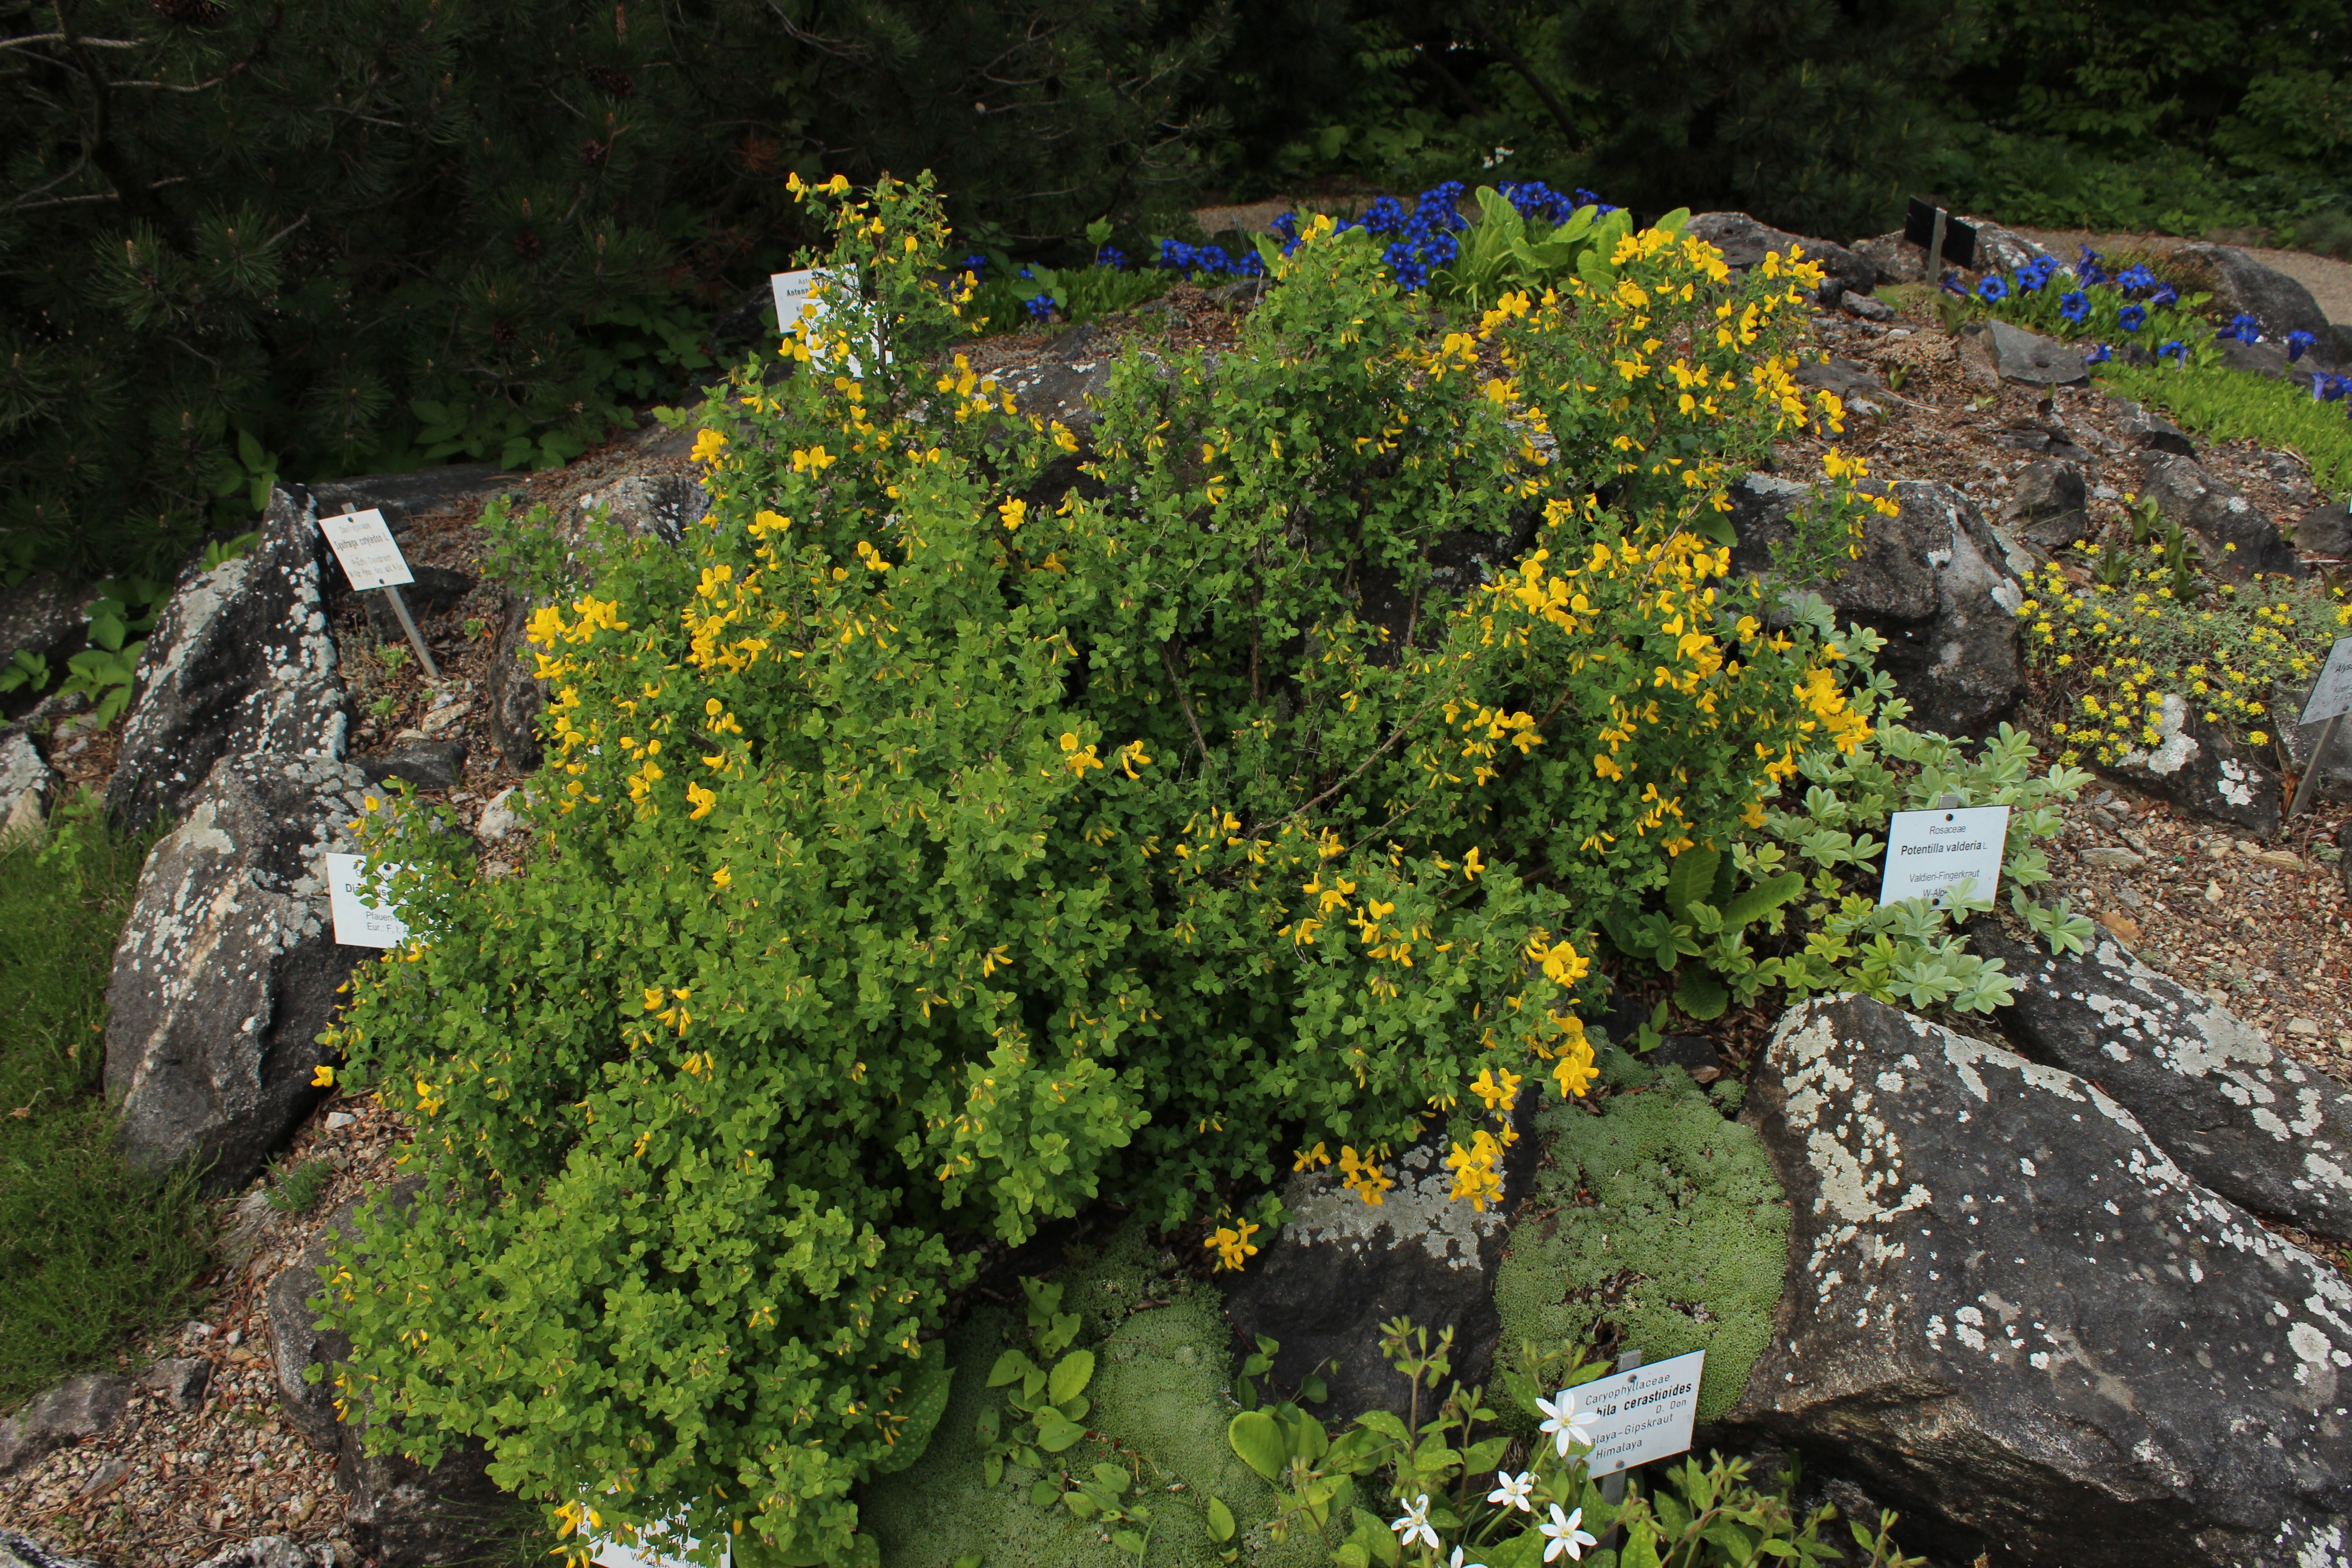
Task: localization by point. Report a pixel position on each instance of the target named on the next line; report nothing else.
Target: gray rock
(2000, 249)
(25, 785)
(500, 817)
(1934, 582)
(271, 1552)
(2200, 768)
(21, 1551)
(427, 765)
(2013, 1317)
(1328, 1279)
(1068, 382)
(437, 591)
(1745, 242)
(239, 662)
(1848, 378)
(228, 968)
(651, 506)
(180, 1382)
(1893, 258)
(2280, 303)
(297, 1342)
(2030, 358)
(2237, 540)
(38, 616)
(2110, 858)
(2048, 505)
(2151, 432)
(77, 1408)
(2258, 1128)
(1865, 307)
(2326, 531)
(402, 1514)
(513, 696)
(404, 497)
(2261, 359)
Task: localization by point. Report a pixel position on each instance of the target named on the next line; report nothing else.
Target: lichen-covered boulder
(2202, 769)
(227, 970)
(1935, 580)
(79, 1407)
(1745, 243)
(2238, 540)
(2255, 1126)
(239, 662)
(2013, 1317)
(1340, 1268)
(26, 784)
(2029, 357)
(18, 1550)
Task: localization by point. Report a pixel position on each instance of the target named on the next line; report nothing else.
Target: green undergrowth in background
(1683, 1246)
(89, 1248)
(2239, 404)
(1163, 1399)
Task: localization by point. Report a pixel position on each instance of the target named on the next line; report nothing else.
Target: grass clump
(2239, 405)
(89, 1248)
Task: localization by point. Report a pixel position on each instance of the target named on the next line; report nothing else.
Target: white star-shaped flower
(1414, 1524)
(1512, 1490)
(1565, 1422)
(1564, 1535)
(1456, 1560)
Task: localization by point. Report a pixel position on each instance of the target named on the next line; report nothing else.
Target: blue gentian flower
(2165, 294)
(1110, 257)
(2297, 342)
(2087, 271)
(2136, 276)
(2035, 275)
(1992, 291)
(1040, 306)
(2075, 306)
(2132, 317)
(2099, 355)
(975, 262)
(1024, 272)
(1385, 215)
(1952, 285)
(2327, 388)
(2175, 350)
(2242, 327)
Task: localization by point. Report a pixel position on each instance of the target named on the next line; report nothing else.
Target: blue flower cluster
(1423, 238)
(2325, 388)
(1992, 291)
(2296, 343)
(2245, 328)
(2035, 275)
(1534, 199)
(1207, 260)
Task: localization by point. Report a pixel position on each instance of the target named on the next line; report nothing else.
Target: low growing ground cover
(88, 1249)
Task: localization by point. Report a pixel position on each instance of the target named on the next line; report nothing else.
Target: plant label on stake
(608, 1554)
(2331, 699)
(792, 291)
(371, 558)
(363, 914)
(1643, 1415)
(1930, 852)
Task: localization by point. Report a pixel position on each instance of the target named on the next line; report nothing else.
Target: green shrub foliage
(242, 240)
(952, 833)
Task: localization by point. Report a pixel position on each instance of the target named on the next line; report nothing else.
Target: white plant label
(1643, 1414)
(612, 1554)
(364, 543)
(364, 915)
(793, 291)
(1928, 852)
(2332, 694)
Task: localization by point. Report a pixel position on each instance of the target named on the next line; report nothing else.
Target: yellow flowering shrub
(935, 844)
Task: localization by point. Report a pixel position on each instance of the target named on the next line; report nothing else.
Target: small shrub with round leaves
(952, 833)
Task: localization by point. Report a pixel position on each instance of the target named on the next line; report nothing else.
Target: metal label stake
(415, 638)
(1612, 1487)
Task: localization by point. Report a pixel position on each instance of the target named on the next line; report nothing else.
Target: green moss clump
(1684, 1249)
(1163, 1399)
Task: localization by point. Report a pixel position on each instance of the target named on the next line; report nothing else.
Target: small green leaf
(1071, 1376)
(1221, 1521)
(1257, 1438)
(1057, 1431)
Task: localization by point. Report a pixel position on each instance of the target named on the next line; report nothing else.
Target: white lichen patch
(1417, 1211)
